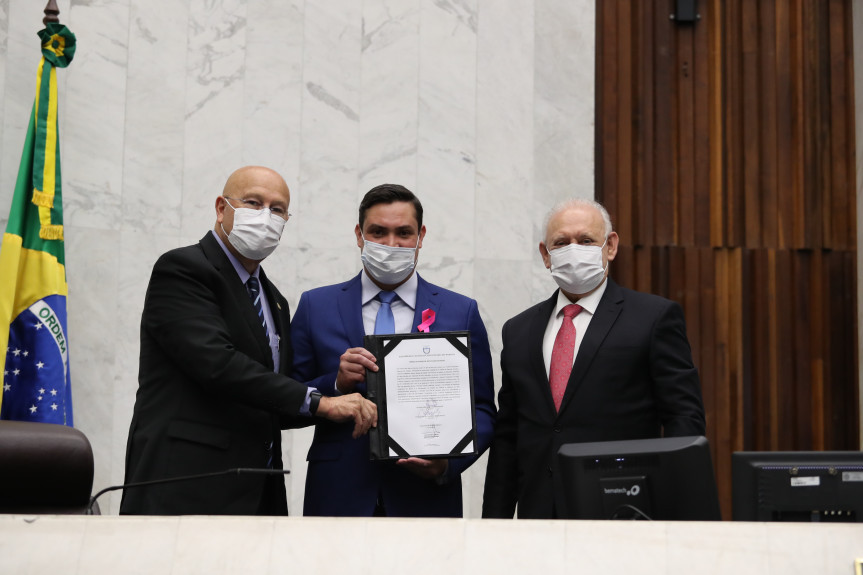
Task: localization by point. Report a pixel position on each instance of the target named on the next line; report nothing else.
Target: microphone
(234, 471)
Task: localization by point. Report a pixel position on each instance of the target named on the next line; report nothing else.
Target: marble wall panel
(295, 447)
(483, 108)
(330, 125)
(94, 134)
(564, 101)
(472, 483)
(92, 306)
(155, 112)
(133, 277)
(390, 95)
(447, 131)
(503, 289)
(20, 57)
(504, 227)
(4, 49)
(273, 87)
(504, 137)
(215, 65)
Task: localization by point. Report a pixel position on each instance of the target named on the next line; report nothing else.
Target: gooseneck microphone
(234, 471)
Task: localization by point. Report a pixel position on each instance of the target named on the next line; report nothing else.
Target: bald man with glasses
(213, 393)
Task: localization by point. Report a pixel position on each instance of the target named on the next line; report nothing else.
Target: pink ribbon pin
(428, 319)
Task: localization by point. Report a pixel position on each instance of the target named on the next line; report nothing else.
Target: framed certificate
(424, 393)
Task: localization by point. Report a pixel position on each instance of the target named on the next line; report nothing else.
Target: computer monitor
(797, 486)
(669, 478)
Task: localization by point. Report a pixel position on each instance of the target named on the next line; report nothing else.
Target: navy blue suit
(341, 480)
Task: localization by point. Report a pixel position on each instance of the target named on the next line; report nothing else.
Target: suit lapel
(349, 302)
(606, 314)
(213, 252)
(427, 298)
(535, 333)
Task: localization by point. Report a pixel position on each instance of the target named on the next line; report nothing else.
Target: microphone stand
(234, 471)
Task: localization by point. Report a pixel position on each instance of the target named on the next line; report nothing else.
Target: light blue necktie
(384, 322)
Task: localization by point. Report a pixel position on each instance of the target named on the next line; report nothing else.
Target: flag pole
(52, 12)
(35, 361)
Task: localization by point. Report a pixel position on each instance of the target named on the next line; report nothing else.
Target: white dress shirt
(403, 306)
(581, 321)
(265, 303)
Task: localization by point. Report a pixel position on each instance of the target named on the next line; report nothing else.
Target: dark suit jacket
(208, 399)
(341, 479)
(633, 378)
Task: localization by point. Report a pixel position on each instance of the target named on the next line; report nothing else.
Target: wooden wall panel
(725, 155)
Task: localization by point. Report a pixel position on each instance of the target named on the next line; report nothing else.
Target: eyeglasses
(256, 205)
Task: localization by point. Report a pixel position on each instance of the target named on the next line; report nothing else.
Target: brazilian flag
(33, 289)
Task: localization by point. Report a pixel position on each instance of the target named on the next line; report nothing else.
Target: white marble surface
(484, 108)
(212, 545)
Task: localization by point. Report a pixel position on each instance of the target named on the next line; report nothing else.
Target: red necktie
(562, 354)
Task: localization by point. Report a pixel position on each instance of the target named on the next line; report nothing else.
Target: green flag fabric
(35, 365)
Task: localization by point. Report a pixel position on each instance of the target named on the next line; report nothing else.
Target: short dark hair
(387, 194)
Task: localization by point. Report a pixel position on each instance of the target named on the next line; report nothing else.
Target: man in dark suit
(595, 362)
(215, 348)
(328, 337)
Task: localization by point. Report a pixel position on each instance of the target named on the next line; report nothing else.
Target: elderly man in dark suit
(595, 362)
(215, 348)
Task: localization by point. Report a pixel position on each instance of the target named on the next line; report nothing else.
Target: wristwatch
(314, 401)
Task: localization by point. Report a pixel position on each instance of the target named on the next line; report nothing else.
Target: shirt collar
(238, 267)
(407, 292)
(588, 302)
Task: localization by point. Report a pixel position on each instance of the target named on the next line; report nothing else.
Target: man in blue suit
(327, 334)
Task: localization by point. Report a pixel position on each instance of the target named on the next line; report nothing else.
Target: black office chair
(44, 469)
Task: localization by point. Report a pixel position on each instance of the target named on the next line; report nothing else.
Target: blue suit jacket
(341, 480)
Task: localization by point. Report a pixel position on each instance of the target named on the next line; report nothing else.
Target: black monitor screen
(797, 486)
(669, 478)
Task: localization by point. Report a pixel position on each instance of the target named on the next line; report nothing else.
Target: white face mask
(256, 233)
(386, 264)
(577, 269)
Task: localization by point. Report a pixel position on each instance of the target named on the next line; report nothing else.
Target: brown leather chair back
(44, 468)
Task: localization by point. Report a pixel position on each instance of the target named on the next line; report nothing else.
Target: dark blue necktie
(254, 287)
(385, 323)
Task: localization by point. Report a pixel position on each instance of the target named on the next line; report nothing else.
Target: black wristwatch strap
(314, 401)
